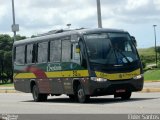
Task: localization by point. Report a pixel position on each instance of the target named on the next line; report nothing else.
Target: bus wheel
(82, 98)
(126, 96)
(72, 97)
(37, 96)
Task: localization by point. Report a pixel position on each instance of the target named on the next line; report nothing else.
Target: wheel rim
(81, 95)
(35, 93)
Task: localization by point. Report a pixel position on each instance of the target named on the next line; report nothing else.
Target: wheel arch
(76, 83)
(32, 83)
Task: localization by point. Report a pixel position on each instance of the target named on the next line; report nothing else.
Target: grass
(6, 85)
(152, 75)
(147, 51)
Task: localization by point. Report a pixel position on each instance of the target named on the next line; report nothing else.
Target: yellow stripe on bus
(24, 75)
(56, 74)
(118, 76)
(75, 73)
(81, 73)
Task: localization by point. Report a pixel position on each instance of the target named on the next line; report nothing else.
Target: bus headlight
(98, 79)
(138, 77)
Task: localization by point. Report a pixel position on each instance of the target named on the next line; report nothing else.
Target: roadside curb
(147, 90)
(8, 90)
(150, 81)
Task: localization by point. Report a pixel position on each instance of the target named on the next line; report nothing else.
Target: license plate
(120, 91)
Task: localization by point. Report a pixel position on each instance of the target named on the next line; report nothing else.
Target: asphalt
(148, 87)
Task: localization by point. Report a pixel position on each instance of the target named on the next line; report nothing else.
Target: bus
(79, 63)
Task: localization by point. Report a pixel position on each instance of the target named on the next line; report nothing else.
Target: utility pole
(99, 14)
(15, 27)
(154, 26)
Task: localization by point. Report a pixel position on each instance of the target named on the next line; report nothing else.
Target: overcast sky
(39, 16)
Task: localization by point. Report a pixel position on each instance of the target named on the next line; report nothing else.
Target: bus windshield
(110, 48)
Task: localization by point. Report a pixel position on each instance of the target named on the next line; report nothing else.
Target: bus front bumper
(110, 87)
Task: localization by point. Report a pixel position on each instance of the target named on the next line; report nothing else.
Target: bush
(158, 64)
(143, 64)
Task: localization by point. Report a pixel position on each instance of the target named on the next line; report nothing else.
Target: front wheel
(38, 97)
(126, 96)
(72, 97)
(82, 98)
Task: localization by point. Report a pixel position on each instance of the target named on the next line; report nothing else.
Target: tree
(18, 37)
(6, 43)
(158, 50)
(5, 47)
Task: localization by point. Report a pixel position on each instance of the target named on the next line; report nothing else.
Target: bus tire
(37, 96)
(126, 96)
(72, 97)
(81, 97)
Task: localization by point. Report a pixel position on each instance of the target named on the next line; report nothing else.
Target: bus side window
(75, 55)
(31, 53)
(66, 50)
(55, 51)
(42, 52)
(20, 55)
(14, 54)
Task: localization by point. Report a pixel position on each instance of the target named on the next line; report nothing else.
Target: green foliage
(6, 43)
(147, 55)
(18, 37)
(158, 64)
(158, 49)
(152, 74)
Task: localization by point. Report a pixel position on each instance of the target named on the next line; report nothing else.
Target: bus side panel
(68, 85)
(56, 86)
(22, 85)
(44, 85)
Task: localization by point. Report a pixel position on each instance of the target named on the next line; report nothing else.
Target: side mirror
(77, 49)
(134, 40)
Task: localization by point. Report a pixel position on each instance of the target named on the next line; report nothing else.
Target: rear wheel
(38, 97)
(81, 97)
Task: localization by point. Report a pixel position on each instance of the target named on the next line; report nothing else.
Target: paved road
(148, 87)
(152, 85)
(22, 103)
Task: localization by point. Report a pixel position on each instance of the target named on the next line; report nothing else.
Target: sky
(40, 16)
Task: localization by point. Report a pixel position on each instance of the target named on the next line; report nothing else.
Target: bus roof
(61, 33)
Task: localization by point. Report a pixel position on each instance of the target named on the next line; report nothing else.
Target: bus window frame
(35, 61)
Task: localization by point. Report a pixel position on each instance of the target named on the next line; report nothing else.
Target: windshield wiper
(119, 51)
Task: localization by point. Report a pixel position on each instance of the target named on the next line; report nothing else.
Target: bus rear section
(80, 64)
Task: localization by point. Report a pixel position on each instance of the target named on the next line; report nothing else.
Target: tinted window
(55, 51)
(31, 53)
(66, 50)
(20, 55)
(42, 52)
(116, 48)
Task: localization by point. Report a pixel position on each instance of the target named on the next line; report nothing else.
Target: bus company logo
(55, 67)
